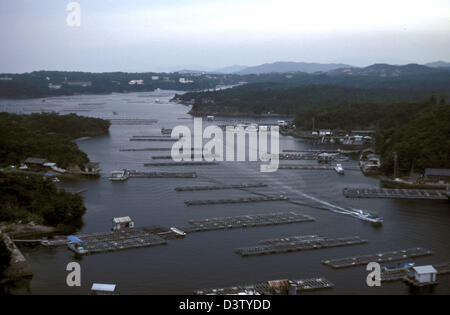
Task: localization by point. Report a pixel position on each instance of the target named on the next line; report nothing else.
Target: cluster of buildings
(43, 165)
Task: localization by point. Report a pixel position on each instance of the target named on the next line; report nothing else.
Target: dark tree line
(46, 136)
(33, 198)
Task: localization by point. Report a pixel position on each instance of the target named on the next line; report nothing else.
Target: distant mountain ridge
(386, 70)
(284, 66)
(438, 64)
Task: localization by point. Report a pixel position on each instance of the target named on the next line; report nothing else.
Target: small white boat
(370, 217)
(339, 169)
(178, 231)
(119, 175)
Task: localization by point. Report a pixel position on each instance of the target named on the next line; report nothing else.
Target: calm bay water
(204, 260)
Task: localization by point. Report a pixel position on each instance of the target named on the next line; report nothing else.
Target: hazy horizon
(143, 36)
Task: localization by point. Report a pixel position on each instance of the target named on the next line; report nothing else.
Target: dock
(162, 175)
(183, 163)
(297, 243)
(229, 201)
(246, 221)
(273, 287)
(379, 258)
(232, 186)
(396, 193)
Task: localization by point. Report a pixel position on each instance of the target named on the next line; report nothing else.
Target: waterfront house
(437, 175)
(35, 163)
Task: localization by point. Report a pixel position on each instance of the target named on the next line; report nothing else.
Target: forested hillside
(46, 136)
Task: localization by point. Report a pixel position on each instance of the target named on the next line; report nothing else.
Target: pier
(240, 200)
(162, 175)
(185, 163)
(297, 243)
(380, 258)
(246, 221)
(273, 287)
(19, 267)
(396, 193)
(235, 186)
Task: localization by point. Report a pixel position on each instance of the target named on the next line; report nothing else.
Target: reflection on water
(203, 260)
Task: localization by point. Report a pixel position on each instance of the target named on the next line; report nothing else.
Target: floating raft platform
(312, 167)
(233, 186)
(246, 221)
(120, 240)
(312, 151)
(162, 175)
(154, 139)
(185, 163)
(380, 258)
(274, 287)
(240, 200)
(132, 121)
(396, 193)
(297, 243)
(297, 157)
(157, 136)
(146, 149)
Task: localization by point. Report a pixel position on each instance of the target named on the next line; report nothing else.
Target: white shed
(424, 274)
(122, 223)
(103, 289)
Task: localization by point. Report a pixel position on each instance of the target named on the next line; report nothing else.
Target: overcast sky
(156, 35)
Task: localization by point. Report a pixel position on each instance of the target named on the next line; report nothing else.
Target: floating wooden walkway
(297, 243)
(132, 121)
(297, 157)
(233, 186)
(399, 274)
(162, 175)
(240, 200)
(146, 149)
(245, 221)
(311, 151)
(379, 258)
(396, 193)
(313, 167)
(154, 139)
(185, 163)
(274, 287)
